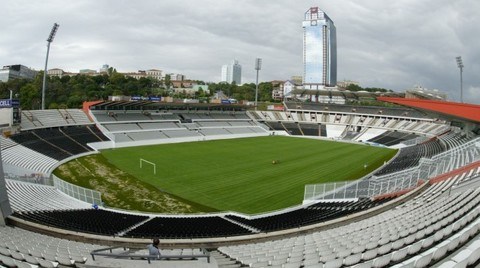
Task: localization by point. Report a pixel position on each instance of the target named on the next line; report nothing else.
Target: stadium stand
(313, 129)
(95, 221)
(59, 143)
(369, 133)
(181, 133)
(214, 131)
(453, 139)
(349, 135)
(316, 213)
(34, 142)
(158, 125)
(244, 130)
(438, 226)
(121, 127)
(106, 116)
(330, 107)
(22, 248)
(49, 207)
(24, 157)
(366, 242)
(26, 197)
(351, 126)
(214, 124)
(187, 228)
(188, 125)
(410, 156)
(275, 126)
(390, 138)
(84, 134)
(59, 139)
(33, 119)
(417, 233)
(292, 128)
(145, 135)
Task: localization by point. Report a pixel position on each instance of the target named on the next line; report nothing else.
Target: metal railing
(405, 179)
(37, 178)
(415, 141)
(78, 192)
(113, 252)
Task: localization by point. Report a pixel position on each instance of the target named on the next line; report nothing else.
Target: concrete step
(224, 261)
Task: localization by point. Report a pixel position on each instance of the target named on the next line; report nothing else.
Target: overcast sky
(390, 44)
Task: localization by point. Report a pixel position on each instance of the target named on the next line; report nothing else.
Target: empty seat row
(60, 143)
(33, 119)
(35, 197)
(23, 248)
(403, 234)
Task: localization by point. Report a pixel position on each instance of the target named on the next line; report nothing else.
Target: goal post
(148, 162)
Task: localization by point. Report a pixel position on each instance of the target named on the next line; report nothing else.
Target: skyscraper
(232, 73)
(319, 50)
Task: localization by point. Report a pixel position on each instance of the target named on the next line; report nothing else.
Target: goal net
(143, 162)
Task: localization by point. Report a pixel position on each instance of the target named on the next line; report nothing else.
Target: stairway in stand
(224, 261)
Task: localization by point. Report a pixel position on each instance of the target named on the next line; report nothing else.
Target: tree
(71, 91)
(30, 97)
(53, 105)
(74, 101)
(111, 71)
(199, 93)
(167, 81)
(353, 87)
(265, 91)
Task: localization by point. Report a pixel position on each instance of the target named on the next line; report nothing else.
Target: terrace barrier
(78, 192)
(371, 186)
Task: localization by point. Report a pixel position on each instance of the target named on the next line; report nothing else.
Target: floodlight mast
(49, 40)
(258, 66)
(460, 66)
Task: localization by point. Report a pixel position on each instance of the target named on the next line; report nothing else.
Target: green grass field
(239, 175)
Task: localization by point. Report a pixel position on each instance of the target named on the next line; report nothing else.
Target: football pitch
(249, 175)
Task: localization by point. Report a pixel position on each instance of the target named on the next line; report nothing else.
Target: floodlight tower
(460, 66)
(49, 40)
(258, 66)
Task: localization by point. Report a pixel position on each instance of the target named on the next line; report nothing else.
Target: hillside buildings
(151, 73)
(232, 73)
(345, 83)
(319, 50)
(419, 92)
(284, 89)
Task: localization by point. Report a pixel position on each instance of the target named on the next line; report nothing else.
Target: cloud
(471, 94)
(380, 44)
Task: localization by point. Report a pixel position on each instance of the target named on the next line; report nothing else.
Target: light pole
(258, 66)
(460, 66)
(49, 40)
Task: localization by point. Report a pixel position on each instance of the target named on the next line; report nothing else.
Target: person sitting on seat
(153, 248)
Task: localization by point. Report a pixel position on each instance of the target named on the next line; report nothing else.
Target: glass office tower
(319, 50)
(232, 73)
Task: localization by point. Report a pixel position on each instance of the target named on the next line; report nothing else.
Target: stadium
(311, 185)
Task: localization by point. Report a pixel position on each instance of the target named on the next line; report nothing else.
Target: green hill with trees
(72, 91)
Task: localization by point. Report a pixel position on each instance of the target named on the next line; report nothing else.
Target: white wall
(6, 116)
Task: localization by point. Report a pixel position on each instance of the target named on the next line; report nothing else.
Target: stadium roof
(151, 105)
(462, 110)
(345, 93)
